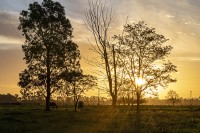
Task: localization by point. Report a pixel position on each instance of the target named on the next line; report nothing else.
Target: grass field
(103, 119)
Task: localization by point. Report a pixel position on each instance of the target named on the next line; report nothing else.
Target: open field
(103, 119)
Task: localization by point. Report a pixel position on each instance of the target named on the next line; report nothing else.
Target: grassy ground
(103, 119)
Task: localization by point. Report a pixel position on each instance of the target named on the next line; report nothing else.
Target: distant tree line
(8, 99)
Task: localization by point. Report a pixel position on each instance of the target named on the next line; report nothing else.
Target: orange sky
(179, 21)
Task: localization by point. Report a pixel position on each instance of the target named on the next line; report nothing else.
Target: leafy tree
(49, 51)
(79, 85)
(173, 97)
(126, 92)
(142, 47)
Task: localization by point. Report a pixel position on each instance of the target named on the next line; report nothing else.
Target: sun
(140, 81)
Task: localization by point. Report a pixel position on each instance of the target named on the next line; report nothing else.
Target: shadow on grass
(101, 119)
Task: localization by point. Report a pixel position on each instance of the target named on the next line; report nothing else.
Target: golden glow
(182, 30)
(139, 81)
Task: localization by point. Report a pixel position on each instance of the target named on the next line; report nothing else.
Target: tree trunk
(138, 123)
(98, 101)
(110, 83)
(48, 90)
(75, 106)
(114, 101)
(123, 99)
(115, 77)
(75, 97)
(128, 97)
(138, 104)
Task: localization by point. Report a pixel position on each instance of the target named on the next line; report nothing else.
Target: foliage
(49, 51)
(173, 97)
(141, 48)
(78, 85)
(8, 98)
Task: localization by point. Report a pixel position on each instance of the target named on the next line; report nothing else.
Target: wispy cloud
(188, 59)
(10, 43)
(193, 34)
(10, 13)
(169, 16)
(9, 46)
(76, 20)
(181, 17)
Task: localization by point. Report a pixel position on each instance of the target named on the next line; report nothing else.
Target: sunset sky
(177, 20)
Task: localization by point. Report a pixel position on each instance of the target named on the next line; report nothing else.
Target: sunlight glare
(140, 81)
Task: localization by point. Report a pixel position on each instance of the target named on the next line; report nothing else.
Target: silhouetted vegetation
(80, 105)
(8, 99)
(53, 105)
(78, 85)
(132, 54)
(173, 97)
(48, 48)
(142, 47)
(53, 78)
(99, 18)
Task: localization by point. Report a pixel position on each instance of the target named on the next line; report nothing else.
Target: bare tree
(98, 20)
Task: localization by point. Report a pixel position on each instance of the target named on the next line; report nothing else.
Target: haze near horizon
(176, 20)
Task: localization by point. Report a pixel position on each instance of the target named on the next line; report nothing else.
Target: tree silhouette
(142, 47)
(99, 19)
(49, 51)
(8, 98)
(173, 97)
(79, 85)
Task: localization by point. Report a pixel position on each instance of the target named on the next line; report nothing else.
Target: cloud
(193, 59)
(154, 13)
(9, 46)
(76, 20)
(10, 13)
(169, 16)
(193, 34)
(8, 25)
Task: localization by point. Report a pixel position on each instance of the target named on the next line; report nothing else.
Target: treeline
(8, 99)
(157, 101)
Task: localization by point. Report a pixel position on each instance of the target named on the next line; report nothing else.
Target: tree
(8, 98)
(173, 97)
(142, 47)
(49, 51)
(99, 19)
(79, 85)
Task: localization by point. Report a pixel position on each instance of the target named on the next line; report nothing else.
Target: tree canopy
(173, 97)
(78, 85)
(48, 48)
(141, 49)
